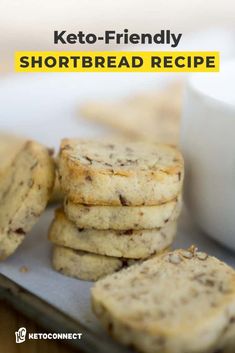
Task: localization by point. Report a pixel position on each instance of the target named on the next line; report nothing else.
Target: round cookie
(83, 265)
(123, 218)
(132, 244)
(130, 174)
(25, 188)
(182, 302)
(10, 145)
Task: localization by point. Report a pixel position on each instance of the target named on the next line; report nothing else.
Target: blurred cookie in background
(152, 115)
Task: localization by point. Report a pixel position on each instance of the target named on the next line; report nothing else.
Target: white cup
(208, 145)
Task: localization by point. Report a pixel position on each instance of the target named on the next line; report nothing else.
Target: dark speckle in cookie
(123, 200)
(20, 231)
(88, 178)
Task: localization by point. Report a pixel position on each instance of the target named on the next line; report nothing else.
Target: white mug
(208, 145)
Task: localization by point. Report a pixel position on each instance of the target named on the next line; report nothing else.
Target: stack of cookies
(122, 202)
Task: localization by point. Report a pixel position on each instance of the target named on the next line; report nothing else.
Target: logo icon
(20, 335)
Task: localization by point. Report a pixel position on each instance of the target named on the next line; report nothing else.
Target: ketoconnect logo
(21, 335)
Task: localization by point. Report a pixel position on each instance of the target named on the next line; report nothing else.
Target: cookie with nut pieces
(123, 218)
(25, 188)
(10, 145)
(84, 265)
(126, 174)
(133, 244)
(180, 302)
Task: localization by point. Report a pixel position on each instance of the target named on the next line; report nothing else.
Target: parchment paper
(70, 295)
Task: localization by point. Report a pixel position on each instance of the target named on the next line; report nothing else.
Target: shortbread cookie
(123, 218)
(133, 244)
(10, 145)
(83, 265)
(25, 189)
(182, 302)
(57, 195)
(152, 115)
(132, 174)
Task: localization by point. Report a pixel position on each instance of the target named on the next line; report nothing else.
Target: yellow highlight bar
(162, 61)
